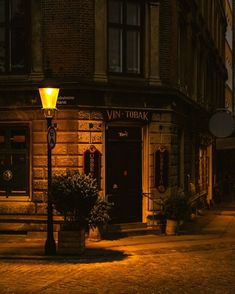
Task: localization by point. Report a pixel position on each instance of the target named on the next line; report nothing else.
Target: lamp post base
(50, 247)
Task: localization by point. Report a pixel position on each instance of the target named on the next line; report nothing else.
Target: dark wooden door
(123, 173)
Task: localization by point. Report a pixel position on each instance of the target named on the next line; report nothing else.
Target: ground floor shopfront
(225, 169)
(131, 152)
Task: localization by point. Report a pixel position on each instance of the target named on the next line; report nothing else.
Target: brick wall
(76, 131)
(168, 41)
(68, 37)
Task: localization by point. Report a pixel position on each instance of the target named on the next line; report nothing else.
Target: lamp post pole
(50, 246)
(49, 91)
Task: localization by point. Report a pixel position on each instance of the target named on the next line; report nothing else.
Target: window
(14, 160)
(124, 36)
(182, 54)
(203, 169)
(13, 35)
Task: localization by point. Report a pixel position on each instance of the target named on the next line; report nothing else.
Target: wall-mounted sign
(92, 163)
(161, 169)
(123, 134)
(66, 100)
(222, 124)
(7, 175)
(126, 114)
(51, 137)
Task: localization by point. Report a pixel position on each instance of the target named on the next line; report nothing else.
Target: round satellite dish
(222, 124)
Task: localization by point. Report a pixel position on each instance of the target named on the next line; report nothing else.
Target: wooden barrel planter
(71, 242)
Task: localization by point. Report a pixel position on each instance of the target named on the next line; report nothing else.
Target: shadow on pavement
(91, 255)
(111, 236)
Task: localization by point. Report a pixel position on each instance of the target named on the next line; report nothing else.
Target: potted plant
(176, 208)
(98, 218)
(73, 195)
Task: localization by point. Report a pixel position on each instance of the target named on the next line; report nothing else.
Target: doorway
(124, 173)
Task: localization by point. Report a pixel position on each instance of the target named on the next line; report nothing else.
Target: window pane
(133, 13)
(17, 13)
(2, 138)
(2, 161)
(17, 50)
(18, 139)
(14, 175)
(115, 50)
(3, 164)
(19, 164)
(14, 160)
(133, 52)
(2, 50)
(2, 11)
(18, 37)
(13, 34)
(115, 11)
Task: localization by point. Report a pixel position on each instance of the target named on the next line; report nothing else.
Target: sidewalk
(215, 228)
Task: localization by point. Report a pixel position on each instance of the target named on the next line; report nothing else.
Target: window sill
(9, 79)
(122, 79)
(15, 198)
(13, 76)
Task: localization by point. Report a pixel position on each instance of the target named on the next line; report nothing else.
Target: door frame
(144, 157)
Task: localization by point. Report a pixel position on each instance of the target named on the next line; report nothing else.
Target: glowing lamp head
(49, 92)
(49, 97)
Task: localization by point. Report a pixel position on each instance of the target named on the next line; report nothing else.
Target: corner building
(138, 83)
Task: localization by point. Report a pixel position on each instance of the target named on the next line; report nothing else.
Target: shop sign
(161, 169)
(66, 100)
(92, 163)
(222, 124)
(125, 114)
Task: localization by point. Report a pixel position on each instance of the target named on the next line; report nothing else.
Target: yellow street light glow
(49, 97)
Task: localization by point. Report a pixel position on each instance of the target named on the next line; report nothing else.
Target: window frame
(203, 179)
(7, 151)
(8, 27)
(125, 29)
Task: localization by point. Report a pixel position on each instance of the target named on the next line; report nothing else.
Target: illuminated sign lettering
(127, 115)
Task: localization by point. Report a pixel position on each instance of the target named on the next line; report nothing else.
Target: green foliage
(176, 207)
(99, 214)
(74, 196)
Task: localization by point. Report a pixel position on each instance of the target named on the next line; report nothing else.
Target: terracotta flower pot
(172, 227)
(95, 234)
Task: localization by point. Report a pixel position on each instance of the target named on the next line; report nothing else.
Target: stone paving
(201, 271)
(202, 262)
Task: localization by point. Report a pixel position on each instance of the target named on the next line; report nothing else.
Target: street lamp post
(49, 95)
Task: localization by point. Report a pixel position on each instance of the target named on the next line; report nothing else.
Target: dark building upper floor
(155, 45)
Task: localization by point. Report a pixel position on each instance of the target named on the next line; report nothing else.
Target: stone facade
(175, 89)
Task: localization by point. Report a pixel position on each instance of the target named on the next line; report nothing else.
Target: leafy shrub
(176, 207)
(74, 196)
(99, 214)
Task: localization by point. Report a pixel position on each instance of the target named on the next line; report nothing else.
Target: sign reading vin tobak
(124, 114)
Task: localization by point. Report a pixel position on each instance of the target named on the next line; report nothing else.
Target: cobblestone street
(200, 262)
(201, 271)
